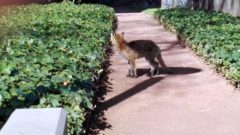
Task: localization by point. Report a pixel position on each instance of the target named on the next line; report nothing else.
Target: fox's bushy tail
(160, 60)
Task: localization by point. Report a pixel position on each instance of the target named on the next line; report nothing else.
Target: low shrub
(213, 35)
(52, 56)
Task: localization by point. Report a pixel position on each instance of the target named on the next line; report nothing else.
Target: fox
(137, 49)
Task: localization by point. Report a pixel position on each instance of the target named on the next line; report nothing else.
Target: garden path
(194, 100)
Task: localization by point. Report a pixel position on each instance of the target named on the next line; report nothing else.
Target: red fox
(137, 49)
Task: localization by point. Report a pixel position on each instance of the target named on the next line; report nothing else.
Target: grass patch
(150, 11)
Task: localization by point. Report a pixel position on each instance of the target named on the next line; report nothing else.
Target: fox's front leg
(132, 68)
(130, 73)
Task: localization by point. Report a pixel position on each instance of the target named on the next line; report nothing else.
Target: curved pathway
(194, 100)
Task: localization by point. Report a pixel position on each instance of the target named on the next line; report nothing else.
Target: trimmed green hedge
(213, 35)
(52, 56)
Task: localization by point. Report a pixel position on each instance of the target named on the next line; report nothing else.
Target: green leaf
(6, 67)
(43, 100)
(54, 103)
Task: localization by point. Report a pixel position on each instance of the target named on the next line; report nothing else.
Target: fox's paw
(132, 76)
(154, 72)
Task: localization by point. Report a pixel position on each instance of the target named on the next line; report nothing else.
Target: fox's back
(143, 47)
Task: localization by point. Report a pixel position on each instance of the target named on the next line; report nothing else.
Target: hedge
(213, 35)
(52, 56)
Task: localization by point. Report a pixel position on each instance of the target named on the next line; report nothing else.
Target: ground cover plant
(213, 35)
(52, 56)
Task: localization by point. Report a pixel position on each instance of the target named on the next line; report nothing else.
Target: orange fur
(120, 42)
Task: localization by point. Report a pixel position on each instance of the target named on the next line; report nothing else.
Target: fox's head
(118, 41)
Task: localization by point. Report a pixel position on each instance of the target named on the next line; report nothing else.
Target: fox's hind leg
(132, 72)
(154, 66)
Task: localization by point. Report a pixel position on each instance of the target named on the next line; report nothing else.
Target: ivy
(51, 55)
(213, 35)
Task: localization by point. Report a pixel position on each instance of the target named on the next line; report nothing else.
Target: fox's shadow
(173, 71)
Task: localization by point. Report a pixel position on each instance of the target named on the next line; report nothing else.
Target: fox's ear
(122, 33)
